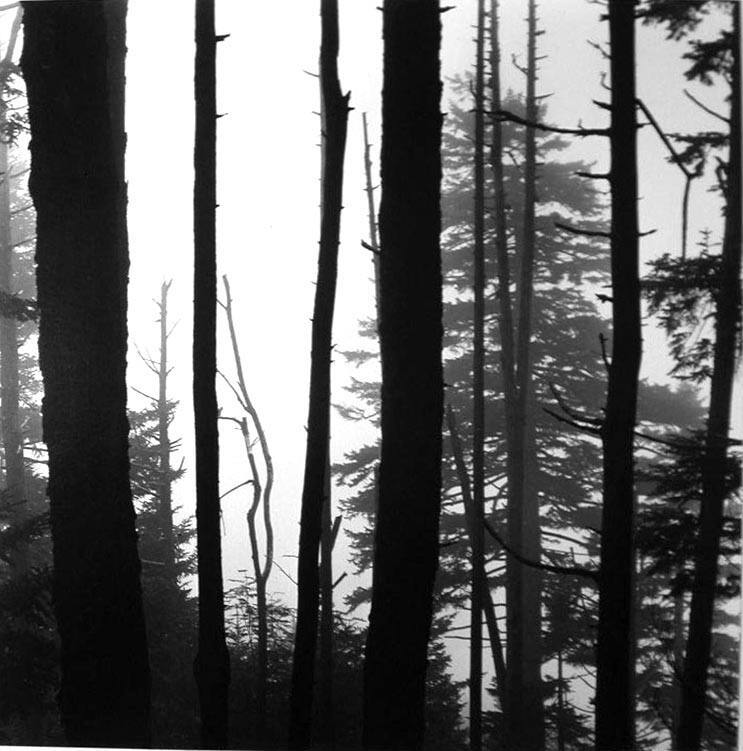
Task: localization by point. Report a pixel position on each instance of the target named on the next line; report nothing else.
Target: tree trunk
(614, 652)
(73, 65)
(325, 729)
(528, 727)
(714, 469)
(335, 117)
(212, 664)
(478, 398)
(165, 499)
(406, 552)
(372, 212)
(496, 646)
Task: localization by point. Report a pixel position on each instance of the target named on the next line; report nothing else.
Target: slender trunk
(514, 631)
(373, 241)
(528, 725)
(325, 729)
(560, 705)
(496, 646)
(714, 469)
(73, 65)
(678, 660)
(165, 499)
(406, 537)
(260, 590)
(614, 652)
(478, 398)
(260, 493)
(212, 664)
(335, 117)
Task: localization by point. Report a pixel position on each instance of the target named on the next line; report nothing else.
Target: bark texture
(614, 651)
(73, 65)
(335, 118)
(406, 538)
(212, 664)
(714, 469)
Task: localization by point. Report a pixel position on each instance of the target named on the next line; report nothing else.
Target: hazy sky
(268, 195)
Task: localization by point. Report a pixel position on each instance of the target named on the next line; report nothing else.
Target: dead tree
(334, 121)
(715, 463)
(410, 327)
(261, 495)
(73, 66)
(212, 664)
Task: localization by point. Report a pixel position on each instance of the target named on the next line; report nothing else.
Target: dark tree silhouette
(715, 462)
(73, 64)
(212, 664)
(478, 397)
(335, 118)
(410, 327)
(614, 652)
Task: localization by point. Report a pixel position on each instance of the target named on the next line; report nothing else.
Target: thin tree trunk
(529, 721)
(212, 664)
(373, 241)
(325, 728)
(491, 621)
(165, 499)
(73, 65)
(514, 631)
(260, 493)
(406, 537)
(335, 117)
(478, 399)
(614, 652)
(560, 705)
(678, 660)
(714, 469)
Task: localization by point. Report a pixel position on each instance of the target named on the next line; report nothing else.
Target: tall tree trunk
(528, 727)
(73, 65)
(372, 213)
(478, 398)
(212, 664)
(614, 652)
(335, 117)
(406, 552)
(714, 469)
(165, 499)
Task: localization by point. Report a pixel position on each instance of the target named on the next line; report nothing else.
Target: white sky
(268, 194)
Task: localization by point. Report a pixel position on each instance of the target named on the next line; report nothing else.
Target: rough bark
(714, 469)
(335, 117)
(406, 536)
(477, 584)
(212, 665)
(73, 65)
(614, 652)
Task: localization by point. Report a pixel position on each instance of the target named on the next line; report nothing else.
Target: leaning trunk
(715, 467)
(212, 665)
(406, 536)
(335, 118)
(614, 652)
(73, 64)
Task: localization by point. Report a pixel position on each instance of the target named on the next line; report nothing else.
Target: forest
(446, 460)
